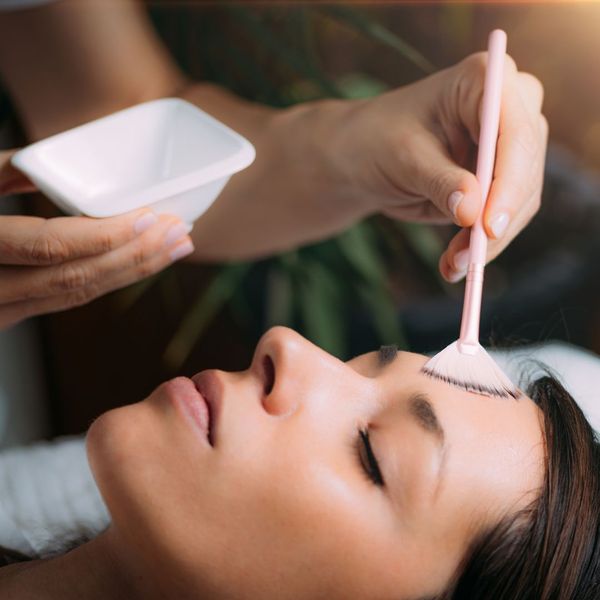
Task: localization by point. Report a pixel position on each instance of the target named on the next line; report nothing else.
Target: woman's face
(320, 479)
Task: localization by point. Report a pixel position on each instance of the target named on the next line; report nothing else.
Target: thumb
(453, 190)
(12, 181)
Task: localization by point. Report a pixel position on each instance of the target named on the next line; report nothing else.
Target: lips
(209, 387)
(191, 403)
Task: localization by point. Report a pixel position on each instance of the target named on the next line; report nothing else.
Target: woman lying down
(314, 479)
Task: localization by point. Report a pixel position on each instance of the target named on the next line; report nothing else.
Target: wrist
(318, 147)
(297, 191)
(247, 118)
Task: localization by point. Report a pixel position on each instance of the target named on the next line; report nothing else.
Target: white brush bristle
(476, 373)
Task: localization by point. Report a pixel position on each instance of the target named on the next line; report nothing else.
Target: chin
(118, 446)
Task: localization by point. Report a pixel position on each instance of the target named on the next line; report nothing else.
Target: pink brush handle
(490, 117)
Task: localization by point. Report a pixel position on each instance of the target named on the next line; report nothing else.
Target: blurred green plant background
(377, 283)
(273, 55)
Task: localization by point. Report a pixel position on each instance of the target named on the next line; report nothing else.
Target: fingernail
(455, 276)
(461, 261)
(176, 233)
(499, 224)
(454, 200)
(145, 222)
(181, 250)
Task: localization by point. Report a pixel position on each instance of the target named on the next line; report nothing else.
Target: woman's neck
(90, 571)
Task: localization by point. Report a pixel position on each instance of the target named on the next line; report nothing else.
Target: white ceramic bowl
(165, 154)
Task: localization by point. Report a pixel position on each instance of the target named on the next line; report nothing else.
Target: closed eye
(367, 458)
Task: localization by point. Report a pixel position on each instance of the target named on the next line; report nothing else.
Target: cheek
(252, 519)
(153, 481)
(276, 524)
(147, 472)
(122, 447)
(110, 443)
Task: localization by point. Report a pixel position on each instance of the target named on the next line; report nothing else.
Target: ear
(12, 181)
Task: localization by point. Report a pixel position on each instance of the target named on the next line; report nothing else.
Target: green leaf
(377, 32)
(355, 86)
(281, 49)
(251, 71)
(459, 23)
(241, 309)
(204, 309)
(424, 241)
(384, 314)
(170, 290)
(279, 297)
(359, 246)
(303, 18)
(128, 297)
(321, 309)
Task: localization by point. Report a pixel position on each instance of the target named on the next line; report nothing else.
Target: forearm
(293, 193)
(72, 61)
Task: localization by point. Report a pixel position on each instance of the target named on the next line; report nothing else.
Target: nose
(291, 370)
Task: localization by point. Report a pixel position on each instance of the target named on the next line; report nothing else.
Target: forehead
(371, 364)
(404, 368)
(401, 377)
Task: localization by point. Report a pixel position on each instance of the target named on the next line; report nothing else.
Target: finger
(36, 241)
(451, 269)
(431, 173)
(531, 91)
(12, 181)
(144, 266)
(23, 283)
(520, 156)
(466, 82)
(522, 219)
(418, 211)
(454, 261)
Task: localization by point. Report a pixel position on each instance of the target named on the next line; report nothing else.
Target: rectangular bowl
(166, 154)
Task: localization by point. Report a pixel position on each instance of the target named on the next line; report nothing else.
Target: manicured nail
(461, 260)
(499, 224)
(145, 222)
(176, 233)
(454, 200)
(181, 250)
(455, 276)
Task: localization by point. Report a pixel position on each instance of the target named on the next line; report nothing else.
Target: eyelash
(367, 458)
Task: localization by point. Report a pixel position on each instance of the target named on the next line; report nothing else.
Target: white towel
(48, 498)
(578, 370)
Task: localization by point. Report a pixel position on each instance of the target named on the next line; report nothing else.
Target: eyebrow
(419, 404)
(422, 410)
(386, 355)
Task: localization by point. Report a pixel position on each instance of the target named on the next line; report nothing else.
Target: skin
(280, 507)
(321, 166)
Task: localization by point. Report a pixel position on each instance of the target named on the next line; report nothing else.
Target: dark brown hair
(550, 550)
